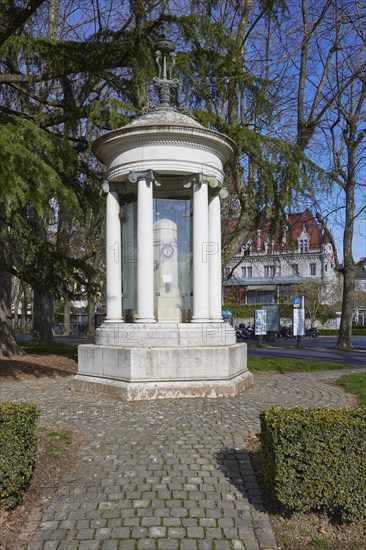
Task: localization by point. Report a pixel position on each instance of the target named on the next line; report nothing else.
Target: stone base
(161, 335)
(158, 373)
(137, 391)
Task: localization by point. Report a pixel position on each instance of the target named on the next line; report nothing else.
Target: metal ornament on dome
(165, 59)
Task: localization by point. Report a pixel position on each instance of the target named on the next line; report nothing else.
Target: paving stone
(84, 534)
(131, 522)
(165, 544)
(103, 533)
(189, 522)
(120, 532)
(176, 532)
(49, 525)
(68, 545)
(146, 544)
(51, 545)
(188, 545)
(89, 545)
(127, 545)
(195, 533)
(157, 532)
(150, 521)
(139, 532)
(172, 522)
(222, 545)
(110, 545)
(205, 545)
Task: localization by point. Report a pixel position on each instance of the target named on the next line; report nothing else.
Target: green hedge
(315, 459)
(18, 444)
(244, 311)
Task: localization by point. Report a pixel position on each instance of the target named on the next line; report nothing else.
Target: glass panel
(172, 260)
(129, 262)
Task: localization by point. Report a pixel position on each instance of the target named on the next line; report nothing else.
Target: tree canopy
(276, 76)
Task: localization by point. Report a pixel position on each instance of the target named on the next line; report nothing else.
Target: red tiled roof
(295, 223)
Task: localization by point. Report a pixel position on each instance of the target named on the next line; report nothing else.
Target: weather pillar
(200, 253)
(113, 259)
(214, 256)
(145, 249)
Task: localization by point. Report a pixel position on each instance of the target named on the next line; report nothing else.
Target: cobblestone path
(167, 474)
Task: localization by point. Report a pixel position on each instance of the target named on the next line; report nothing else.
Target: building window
(246, 272)
(227, 271)
(326, 267)
(303, 245)
(269, 271)
(312, 269)
(295, 268)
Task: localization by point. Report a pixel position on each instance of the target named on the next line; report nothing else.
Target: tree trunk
(67, 318)
(24, 309)
(345, 329)
(16, 289)
(43, 313)
(8, 344)
(91, 316)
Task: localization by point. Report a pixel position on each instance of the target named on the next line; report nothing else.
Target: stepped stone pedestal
(166, 360)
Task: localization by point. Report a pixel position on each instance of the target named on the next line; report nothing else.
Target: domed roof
(164, 117)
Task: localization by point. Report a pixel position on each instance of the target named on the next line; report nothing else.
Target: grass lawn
(54, 349)
(355, 383)
(282, 364)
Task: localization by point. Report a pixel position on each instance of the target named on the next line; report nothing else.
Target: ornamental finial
(165, 60)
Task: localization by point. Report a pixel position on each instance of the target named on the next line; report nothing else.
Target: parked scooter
(285, 332)
(313, 332)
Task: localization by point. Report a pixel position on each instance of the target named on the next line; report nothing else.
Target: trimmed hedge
(245, 311)
(18, 445)
(315, 459)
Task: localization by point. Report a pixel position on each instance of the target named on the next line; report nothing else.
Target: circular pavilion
(163, 335)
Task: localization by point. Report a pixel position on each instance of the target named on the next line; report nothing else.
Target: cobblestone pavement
(166, 474)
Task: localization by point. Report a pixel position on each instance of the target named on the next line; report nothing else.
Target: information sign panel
(260, 324)
(272, 317)
(299, 322)
(296, 302)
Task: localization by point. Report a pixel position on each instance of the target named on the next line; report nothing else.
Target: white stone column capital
(149, 176)
(199, 178)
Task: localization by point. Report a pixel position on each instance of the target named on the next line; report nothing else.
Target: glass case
(172, 234)
(172, 260)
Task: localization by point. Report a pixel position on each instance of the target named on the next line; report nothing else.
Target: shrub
(245, 311)
(316, 459)
(18, 444)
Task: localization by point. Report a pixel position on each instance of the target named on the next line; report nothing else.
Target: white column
(145, 252)
(214, 258)
(200, 254)
(113, 259)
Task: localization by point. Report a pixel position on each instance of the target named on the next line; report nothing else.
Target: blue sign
(296, 302)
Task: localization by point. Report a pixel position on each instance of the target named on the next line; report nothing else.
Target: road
(321, 348)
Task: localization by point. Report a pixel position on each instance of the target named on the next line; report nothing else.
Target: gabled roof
(299, 224)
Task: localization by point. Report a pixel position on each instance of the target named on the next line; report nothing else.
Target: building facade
(266, 268)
